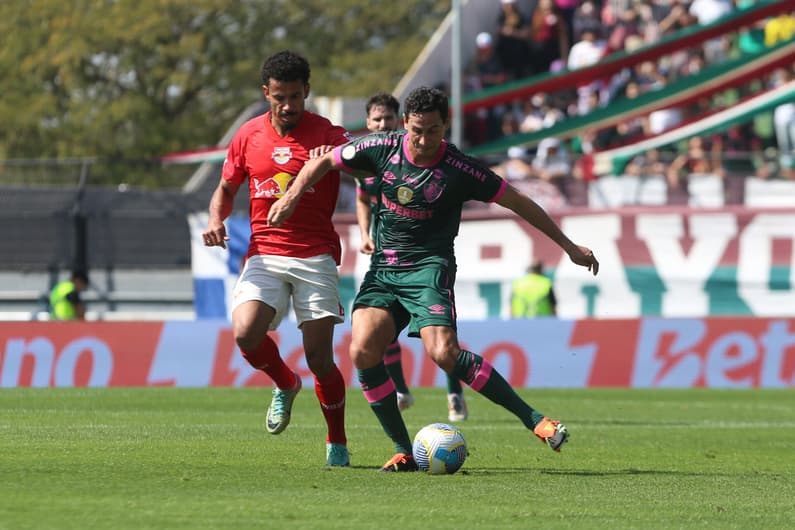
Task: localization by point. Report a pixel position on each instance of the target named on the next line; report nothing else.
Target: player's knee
(246, 339)
(444, 357)
(319, 363)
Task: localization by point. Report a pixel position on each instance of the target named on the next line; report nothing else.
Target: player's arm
(221, 204)
(314, 170)
(530, 211)
(363, 218)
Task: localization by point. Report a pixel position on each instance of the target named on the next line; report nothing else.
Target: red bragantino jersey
(271, 163)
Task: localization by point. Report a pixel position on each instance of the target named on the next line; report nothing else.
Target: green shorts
(416, 298)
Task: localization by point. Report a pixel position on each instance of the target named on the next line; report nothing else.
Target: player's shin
(266, 357)
(379, 390)
(481, 376)
(330, 391)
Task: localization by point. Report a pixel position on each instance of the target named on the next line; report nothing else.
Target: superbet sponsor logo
(715, 353)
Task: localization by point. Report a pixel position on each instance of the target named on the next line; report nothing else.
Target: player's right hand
(215, 235)
(367, 246)
(584, 257)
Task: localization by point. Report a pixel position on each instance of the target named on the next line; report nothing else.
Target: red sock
(266, 358)
(330, 392)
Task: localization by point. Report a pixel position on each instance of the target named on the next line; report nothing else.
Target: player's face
(381, 119)
(286, 99)
(425, 134)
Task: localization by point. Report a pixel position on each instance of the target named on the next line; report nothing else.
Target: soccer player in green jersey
(382, 111)
(423, 183)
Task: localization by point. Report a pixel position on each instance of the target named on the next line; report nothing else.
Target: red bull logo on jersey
(274, 187)
(281, 155)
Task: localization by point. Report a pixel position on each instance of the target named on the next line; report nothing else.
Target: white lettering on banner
(513, 254)
(101, 366)
(615, 298)
(685, 275)
(468, 302)
(514, 257)
(185, 353)
(43, 354)
(776, 342)
(754, 265)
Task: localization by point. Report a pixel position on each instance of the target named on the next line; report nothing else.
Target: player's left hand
(317, 152)
(584, 257)
(280, 211)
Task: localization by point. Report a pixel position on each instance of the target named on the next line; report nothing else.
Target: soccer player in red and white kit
(296, 260)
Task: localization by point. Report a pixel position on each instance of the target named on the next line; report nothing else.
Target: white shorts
(312, 283)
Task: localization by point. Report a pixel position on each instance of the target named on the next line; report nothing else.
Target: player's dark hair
(426, 99)
(382, 99)
(80, 274)
(285, 66)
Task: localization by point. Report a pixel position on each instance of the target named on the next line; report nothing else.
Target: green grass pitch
(200, 458)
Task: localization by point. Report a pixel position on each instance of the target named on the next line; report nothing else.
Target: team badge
(404, 194)
(434, 187)
(282, 155)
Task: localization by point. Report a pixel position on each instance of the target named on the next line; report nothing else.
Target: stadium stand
(138, 248)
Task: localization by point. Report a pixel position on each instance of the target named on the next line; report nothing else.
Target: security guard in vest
(533, 295)
(65, 301)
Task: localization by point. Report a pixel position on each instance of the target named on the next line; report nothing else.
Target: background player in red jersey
(383, 114)
(297, 260)
(411, 282)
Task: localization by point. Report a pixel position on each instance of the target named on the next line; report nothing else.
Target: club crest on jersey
(434, 187)
(281, 155)
(404, 194)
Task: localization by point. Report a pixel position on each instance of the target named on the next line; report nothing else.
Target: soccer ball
(439, 449)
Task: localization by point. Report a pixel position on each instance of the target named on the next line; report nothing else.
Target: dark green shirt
(418, 207)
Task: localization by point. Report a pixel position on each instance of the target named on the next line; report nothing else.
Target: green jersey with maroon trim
(419, 207)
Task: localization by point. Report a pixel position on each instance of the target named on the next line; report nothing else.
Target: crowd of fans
(535, 37)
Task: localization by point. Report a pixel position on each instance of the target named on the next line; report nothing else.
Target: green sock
(454, 385)
(379, 390)
(394, 367)
(481, 376)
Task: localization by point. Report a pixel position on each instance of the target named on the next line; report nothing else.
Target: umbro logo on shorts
(437, 309)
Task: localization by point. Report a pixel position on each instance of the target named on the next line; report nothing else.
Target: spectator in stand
(779, 29)
(697, 160)
(740, 150)
(484, 71)
(586, 52)
(675, 16)
(552, 163)
(706, 12)
(566, 8)
(512, 34)
(538, 113)
(515, 168)
(549, 38)
(646, 164)
(630, 129)
(586, 17)
(784, 124)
